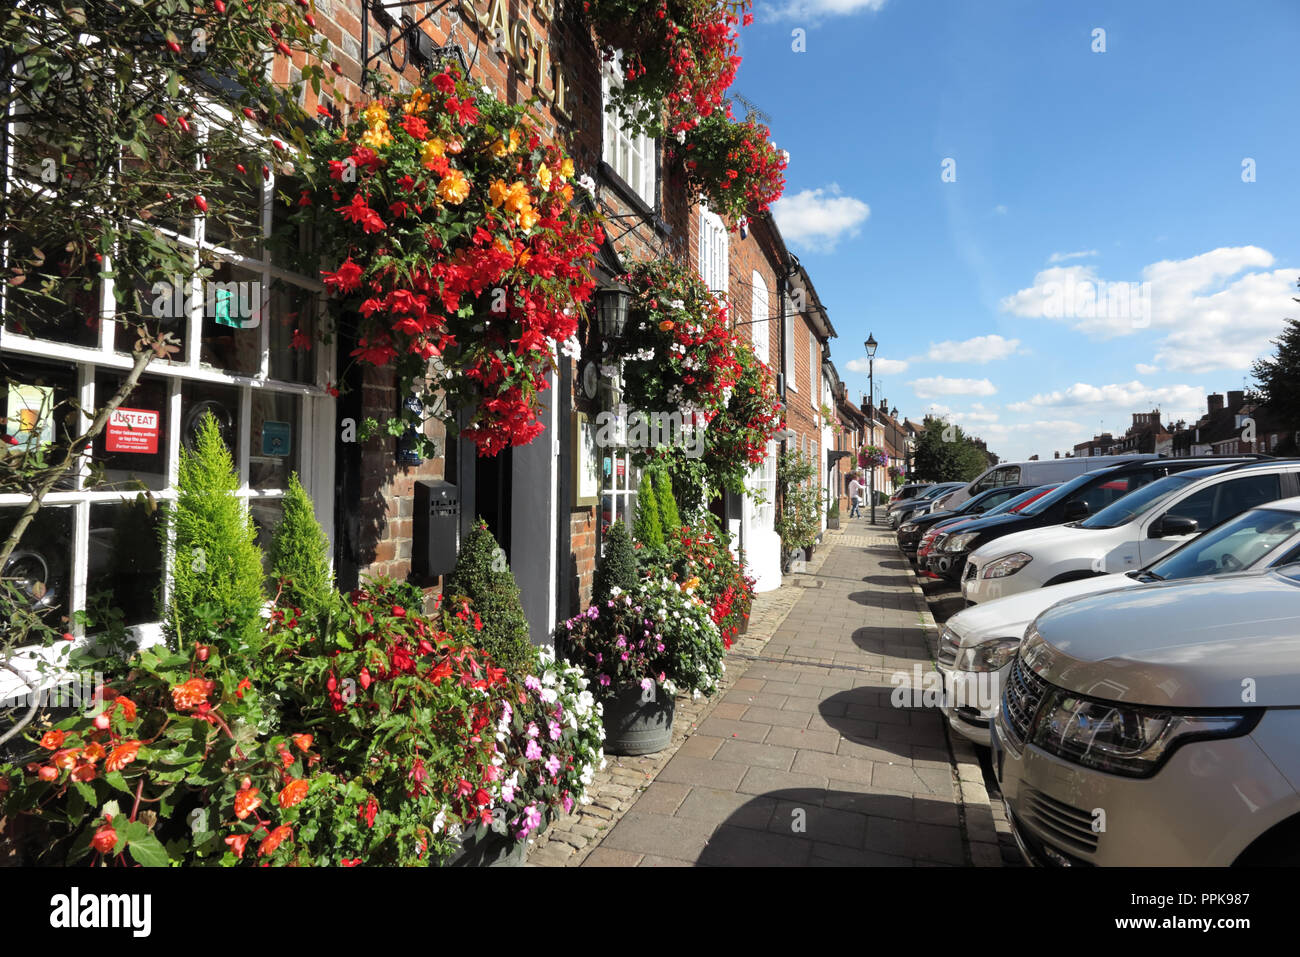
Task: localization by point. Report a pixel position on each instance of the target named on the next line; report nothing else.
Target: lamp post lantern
(871, 386)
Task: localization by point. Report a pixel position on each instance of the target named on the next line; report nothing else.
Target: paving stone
(700, 746)
(741, 847)
(718, 807)
(677, 837)
(775, 717)
(662, 797)
(765, 755)
(833, 766)
(793, 786)
(820, 824)
(608, 857)
(800, 738)
(683, 769)
(724, 728)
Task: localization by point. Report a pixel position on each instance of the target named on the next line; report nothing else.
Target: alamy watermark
(84, 690)
(926, 689)
(1085, 299)
(236, 304)
(649, 430)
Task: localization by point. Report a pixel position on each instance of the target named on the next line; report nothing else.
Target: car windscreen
(1128, 507)
(936, 490)
(1232, 546)
(1004, 507)
(1065, 491)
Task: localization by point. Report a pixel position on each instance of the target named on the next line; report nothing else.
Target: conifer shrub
(618, 566)
(483, 576)
(669, 517)
(217, 576)
(648, 526)
(300, 555)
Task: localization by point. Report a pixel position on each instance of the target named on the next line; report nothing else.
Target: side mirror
(1169, 525)
(1076, 509)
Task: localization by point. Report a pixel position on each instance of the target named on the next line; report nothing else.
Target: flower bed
(451, 230)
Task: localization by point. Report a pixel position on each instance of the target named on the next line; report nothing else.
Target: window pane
(232, 313)
(132, 450)
(239, 204)
(266, 513)
(291, 313)
(41, 565)
(199, 399)
(37, 399)
(126, 558)
(274, 440)
(292, 245)
(59, 298)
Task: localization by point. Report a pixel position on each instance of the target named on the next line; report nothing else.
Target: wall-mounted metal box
(436, 528)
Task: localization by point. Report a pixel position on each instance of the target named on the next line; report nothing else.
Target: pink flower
(533, 730)
(533, 752)
(604, 681)
(567, 802)
(553, 765)
(647, 684)
(532, 684)
(555, 731)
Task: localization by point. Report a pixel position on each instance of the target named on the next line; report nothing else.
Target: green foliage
(483, 576)
(1279, 376)
(799, 521)
(944, 453)
(670, 521)
(648, 528)
(300, 555)
(216, 561)
(618, 567)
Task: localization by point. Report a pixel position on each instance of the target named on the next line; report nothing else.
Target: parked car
(1038, 472)
(923, 501)
(933, 563)
(977, 645)
(905, 492)
(1129, 532)
(1078, 498)
(910, 532)
(1158, 726)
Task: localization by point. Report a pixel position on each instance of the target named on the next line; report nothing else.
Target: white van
(1038, 473)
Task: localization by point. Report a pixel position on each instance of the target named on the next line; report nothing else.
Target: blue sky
(1072, 168)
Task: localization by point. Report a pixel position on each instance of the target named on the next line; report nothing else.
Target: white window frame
(315, 434)
(620, 149)
(758, 317)
(787, 351)
(714, 249)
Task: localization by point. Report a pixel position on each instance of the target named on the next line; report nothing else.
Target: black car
(899, 514)
(910, 532)
(1076, 499)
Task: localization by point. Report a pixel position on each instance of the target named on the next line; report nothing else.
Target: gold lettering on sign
(525, 41)
(498, 19)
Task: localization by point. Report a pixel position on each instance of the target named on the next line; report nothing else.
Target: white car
(1130, 532)
(1158, 726)
(978, 645)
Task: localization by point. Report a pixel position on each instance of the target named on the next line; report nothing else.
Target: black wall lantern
(612, 304)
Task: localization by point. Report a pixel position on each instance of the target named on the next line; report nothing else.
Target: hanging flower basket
(452, 230)
(733, 164)
(678, 57)
(872, 457)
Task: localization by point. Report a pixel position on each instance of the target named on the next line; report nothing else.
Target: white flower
(587, 183)
(676, 304)
(548, 695)
(440, 821)
(548, 678)
(571, 347)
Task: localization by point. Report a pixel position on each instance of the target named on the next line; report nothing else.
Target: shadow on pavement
(879, 640)
(799, 827)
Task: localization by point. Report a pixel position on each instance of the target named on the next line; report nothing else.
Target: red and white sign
(132, 430)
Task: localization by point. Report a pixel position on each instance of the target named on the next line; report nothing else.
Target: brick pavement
(803, 759)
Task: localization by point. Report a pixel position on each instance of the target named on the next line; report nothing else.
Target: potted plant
(799, 521)
(642, 648)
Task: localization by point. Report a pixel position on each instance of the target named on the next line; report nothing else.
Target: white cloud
(816, 9)
(1062, 257)
(883, 366)
(1211, 320)
(1144, 369)
(819, 218)
(1121, 398)
(932, 386)
(978, 349)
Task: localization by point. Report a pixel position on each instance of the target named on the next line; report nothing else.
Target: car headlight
(907, 527)
(1007, 565)
(992, 655)
(959, 543)
(1125, 739)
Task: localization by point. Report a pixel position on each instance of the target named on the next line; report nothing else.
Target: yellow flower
(418, 103)
(517, 197)
(431, 148)
(454, 187)
(544, 176)
(497, 193)
(516, 137)
(499, 148)
(691, 582)
(566, 168)
(528, 218)
(375, 115)
(377, 137)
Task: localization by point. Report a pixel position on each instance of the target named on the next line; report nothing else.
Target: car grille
(1020, 700)
(1061, 823)
(971, 570)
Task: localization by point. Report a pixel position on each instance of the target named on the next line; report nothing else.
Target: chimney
(1056, 455)
(884, 406)
(1214, 403)
(1236, 399)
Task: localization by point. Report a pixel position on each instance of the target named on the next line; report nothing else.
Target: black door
(492, 487)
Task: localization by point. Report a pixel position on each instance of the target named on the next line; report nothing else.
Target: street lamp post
(871, 385)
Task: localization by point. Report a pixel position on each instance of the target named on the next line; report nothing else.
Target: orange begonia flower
(122, 755)
(246, 802)
(293, 793)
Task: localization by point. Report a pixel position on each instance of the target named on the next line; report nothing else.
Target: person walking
(855, 497)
